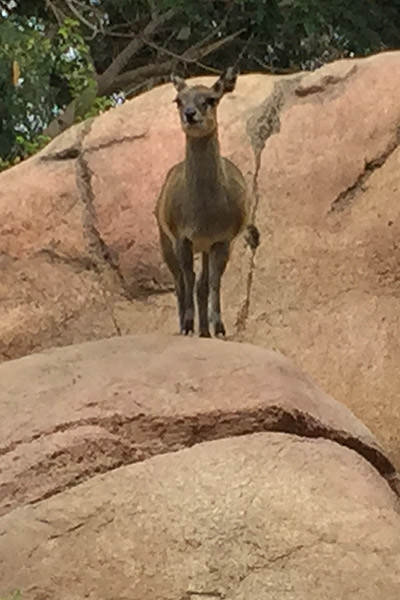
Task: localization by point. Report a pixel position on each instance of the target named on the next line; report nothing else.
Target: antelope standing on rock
(202, 207)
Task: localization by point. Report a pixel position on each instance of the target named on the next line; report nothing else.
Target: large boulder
(326, 280)
(68, 413)
(238, 478)
(78, 241)
(262, 516)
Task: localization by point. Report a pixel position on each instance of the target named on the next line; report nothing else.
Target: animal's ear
(179, 83)
(226, 83)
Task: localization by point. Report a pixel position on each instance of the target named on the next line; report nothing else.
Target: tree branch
(178, 57)
(80, 17)
(105, 79)
(153, 8)
(58, 14)
(134, 81)
(205, 50)
(190, 56)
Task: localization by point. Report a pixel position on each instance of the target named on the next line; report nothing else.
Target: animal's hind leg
(184, 253)
(219, 256)
(173, 265)
(202, 287)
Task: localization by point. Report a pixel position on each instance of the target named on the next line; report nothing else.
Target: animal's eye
(211, 101)
(178, 101)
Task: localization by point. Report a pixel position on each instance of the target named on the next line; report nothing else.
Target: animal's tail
(252, 236)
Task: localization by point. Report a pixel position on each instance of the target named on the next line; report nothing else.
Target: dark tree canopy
(63, 60)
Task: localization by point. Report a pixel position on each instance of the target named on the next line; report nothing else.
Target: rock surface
(69, 413)
(156, 468)
(79, 253)
(268, 515)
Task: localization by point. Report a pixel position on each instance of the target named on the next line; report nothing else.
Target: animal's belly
(203, 243)
(206, 225)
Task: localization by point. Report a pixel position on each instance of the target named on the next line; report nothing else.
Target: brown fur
(202, 207)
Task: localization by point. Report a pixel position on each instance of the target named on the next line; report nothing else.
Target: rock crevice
(346, 197)
(264, 122)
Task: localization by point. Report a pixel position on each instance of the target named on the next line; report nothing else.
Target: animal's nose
(190, 114)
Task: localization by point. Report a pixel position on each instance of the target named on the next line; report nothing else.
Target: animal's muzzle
(190, 115)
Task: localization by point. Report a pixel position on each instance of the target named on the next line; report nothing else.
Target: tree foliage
(39, 75)
(61, 60)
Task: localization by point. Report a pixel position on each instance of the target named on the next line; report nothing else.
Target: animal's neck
(203, 162)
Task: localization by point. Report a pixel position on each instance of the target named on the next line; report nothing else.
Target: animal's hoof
(219, 328)
(205, 334)
(188, 327)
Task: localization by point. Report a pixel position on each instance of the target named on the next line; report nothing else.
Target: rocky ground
(153, 467)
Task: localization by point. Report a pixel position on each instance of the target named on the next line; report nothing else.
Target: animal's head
(197, 105)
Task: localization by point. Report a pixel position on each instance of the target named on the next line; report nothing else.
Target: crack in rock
(190, 594)
(110, 143)
(250, 570)
(274, 559)
(112, 315)
(78, 263)
(71, 529)
(102, 253)
(286, 554)
(70, 153)
(264, 122)
(324, 84)
(97, 245)
(345, 198)
(161, 435)
(73, 152)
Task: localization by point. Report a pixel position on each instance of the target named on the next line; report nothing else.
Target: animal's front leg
(171, 260)
(184, 252)
(218, 259)
(202, 287)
